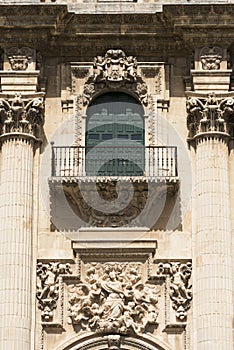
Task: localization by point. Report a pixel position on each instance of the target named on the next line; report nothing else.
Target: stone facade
(116, 176)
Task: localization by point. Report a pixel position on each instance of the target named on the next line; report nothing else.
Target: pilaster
(21, 116)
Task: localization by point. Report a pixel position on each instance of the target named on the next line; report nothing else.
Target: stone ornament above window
(114, 71)
(115, 66)
(211, 57)
(20, 58)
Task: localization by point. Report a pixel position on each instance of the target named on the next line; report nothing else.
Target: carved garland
(115, 71)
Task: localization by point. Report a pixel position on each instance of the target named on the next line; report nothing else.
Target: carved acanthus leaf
(22, 115)
(180, 287)
(207, 114)
(114, 71)
(48, 286)
(113, 300)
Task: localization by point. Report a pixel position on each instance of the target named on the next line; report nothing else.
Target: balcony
(154, 162)
(113, 186)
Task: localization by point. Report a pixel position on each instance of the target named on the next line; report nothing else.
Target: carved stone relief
(180, 286)
(115, 71)
(113, 299)
(211, 57)
(48, 287)
(110, 214)
(19, 58)
(22, 115)
(210, 114)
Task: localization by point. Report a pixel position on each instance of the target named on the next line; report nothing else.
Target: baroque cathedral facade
(116, 174)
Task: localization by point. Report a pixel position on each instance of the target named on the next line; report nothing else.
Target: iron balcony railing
(78, 161)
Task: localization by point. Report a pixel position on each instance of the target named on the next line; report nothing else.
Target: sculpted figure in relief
(113, 300)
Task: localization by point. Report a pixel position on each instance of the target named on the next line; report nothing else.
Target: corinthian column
(209, 123)
(21, 118)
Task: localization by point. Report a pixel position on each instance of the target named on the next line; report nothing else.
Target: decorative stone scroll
(48, 286)
(113, 300)
(210, 114)
(114, 71)
(211, 57)
(19, 58)
(21, 115)
(180, 287)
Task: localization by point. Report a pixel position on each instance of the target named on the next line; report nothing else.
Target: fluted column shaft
(15, 243)
(212, 254)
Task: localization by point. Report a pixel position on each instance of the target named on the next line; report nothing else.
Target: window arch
(115, 136)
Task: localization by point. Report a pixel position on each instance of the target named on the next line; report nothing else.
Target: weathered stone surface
(76, 270)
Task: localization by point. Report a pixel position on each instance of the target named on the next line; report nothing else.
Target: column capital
(21, 115)
(210, 115)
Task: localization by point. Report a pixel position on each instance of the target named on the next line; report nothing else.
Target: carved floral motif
(21, 115)
(210, 114)
(180, 287)
(19, 58)
(115, 70)
(48, 286)
(113, 300)
(211, 57)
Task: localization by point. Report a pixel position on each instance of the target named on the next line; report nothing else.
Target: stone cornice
(172, 27)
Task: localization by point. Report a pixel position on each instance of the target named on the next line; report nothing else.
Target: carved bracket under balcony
(48, 286)
(112, 203)
(113, 299)
(179, 275)
(115, 71)
(22, 114)
(210, 114)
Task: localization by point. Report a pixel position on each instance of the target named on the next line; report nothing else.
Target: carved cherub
(48, 276)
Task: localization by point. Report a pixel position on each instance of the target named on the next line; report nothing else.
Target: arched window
(115, 136)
